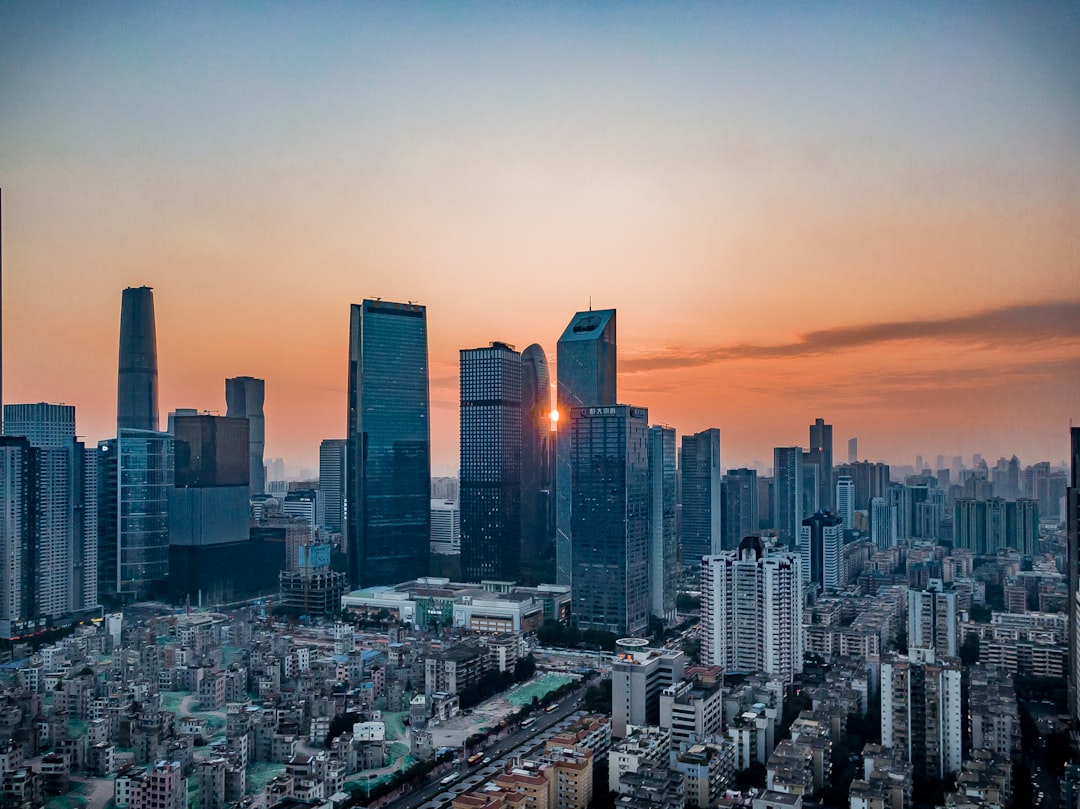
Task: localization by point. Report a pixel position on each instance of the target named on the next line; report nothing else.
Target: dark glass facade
(587, 377)
(664, 554)
(700, 473)
(738, 507)
(137, 379)
(244, 396)
(788, 494)
(537, 502)
(490, 495)
(609, 467)
(820, 453)
(135, 477)
(388, 455)
(211, 451)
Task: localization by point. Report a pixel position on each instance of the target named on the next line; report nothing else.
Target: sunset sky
(864, 212)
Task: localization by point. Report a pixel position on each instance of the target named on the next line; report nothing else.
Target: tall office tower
(932, 618)
(244, 397)
(701, 510)
(787, 503)
(821, 454)
(586, 365)
(845, 501)
(137, 381)
(852, 450)
(811, 474)
(738, 507)
(135, 476)
(490, 463)
(920, 711)
(445, 527)
(1022, 525)
(609, 468)
(537, 503)
(48, 519)
(766, 500)
(664, 562)
(880, 524)
(388, 468)
(821, 544)
(332, 484)
(871, 480)
(752, 610)
(208, 507)
(1072, 522)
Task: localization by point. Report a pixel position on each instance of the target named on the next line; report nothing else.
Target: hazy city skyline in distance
(852, 213)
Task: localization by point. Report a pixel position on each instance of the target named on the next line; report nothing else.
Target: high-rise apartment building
(871, 480)
(609, 468)
(586, 364)
(490, 499)
(932, 619)
(738, 507)
(788, 497)
(845, 501)
(821, 544)
(48, 519)
(920, 711)
(537, 497)
(820, 452)
(701, 503)
(244, 397)
(664, 562)
(332, 484)
(880, 533)
(752, 610)
(388, 467)
(987, 526)
(137, 380)
(135, 478)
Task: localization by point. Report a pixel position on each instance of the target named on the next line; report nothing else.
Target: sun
(554, 416)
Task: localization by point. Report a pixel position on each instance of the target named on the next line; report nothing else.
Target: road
(471, 777)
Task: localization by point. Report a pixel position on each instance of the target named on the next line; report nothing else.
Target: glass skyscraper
(609, 467)
(388, 457)
(586, 377)
(137, 377)
(664, 556)
(738, 507)
(135, 477)
(537, 503)
(700, 472)
(490, 498)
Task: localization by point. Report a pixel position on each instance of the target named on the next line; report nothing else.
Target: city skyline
(866, 217)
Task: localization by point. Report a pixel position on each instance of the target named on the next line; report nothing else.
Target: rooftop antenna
(590, 303)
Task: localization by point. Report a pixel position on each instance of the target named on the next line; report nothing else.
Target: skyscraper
(209, 507)
(490, 471)
(137, 380)
(821, 454)
(388, 464)
(135, 477)
(244, 397)
(609, 467)
(738, 507)
(664, 563)
(821, 544)
(751, 610)
(845, 501)
(787, 499)
(701, 510)
(332, 483)
(48, 519)
(587, 364)
(537, 500)
(1072, 522)
(852, 450)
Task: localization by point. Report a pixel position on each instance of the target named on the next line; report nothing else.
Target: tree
(524, 668)
(339, 724)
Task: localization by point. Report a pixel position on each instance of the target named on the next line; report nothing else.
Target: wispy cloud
(1005, 326)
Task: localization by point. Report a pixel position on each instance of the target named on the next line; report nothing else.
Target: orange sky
(728, 180)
